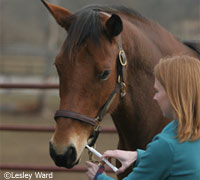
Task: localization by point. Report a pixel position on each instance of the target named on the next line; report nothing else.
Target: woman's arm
(155, 163)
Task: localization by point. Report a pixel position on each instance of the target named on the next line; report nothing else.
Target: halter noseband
(120, 85)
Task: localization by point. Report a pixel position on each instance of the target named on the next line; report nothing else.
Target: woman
(174, 154)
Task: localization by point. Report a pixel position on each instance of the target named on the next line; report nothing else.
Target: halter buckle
(122, 58)
(97, 127)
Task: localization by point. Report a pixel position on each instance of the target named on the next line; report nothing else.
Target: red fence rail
(28, 86)
(45, 168)
(10, 166)
(44, 128)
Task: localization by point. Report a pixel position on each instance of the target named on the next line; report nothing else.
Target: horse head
(89, 78)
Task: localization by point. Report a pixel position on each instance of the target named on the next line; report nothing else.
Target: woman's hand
(92, 169)
(125, 157)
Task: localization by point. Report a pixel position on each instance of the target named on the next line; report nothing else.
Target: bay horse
(106, 66)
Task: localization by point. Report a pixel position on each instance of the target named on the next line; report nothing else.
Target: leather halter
(120, 86)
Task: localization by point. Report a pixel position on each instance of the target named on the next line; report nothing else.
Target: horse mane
(87, 24)
(195, 45)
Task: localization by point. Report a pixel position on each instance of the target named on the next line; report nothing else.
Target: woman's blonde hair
(180, 77)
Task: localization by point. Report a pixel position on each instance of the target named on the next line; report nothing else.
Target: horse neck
(137, 111)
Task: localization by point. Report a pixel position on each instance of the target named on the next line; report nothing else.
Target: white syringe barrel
(100, 155)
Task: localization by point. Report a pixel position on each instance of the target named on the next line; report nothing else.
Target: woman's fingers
(109, 155)
(121, 170)
(92, 169)
(89, 164)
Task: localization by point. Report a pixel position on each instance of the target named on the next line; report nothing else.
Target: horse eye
(104, 75)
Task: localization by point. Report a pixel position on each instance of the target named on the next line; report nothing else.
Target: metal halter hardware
(120, 86)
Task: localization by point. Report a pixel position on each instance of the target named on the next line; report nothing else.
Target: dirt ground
(32, 148)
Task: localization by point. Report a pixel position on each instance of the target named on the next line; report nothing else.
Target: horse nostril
(71, 152)
(51, 150)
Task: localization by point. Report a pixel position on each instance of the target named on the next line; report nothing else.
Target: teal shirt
(166, 159)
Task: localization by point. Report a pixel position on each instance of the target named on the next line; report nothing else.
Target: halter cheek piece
(120, 86)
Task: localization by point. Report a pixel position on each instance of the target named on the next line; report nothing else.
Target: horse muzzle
(65, 159)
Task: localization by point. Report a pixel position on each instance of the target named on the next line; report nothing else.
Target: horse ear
(114, 25)
(60, 14)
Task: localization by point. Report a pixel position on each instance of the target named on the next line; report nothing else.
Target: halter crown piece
(120, 86)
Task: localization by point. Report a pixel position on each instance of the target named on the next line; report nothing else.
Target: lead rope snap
(123, 89)
(91, 156)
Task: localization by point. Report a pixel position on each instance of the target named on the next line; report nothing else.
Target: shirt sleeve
(139, 155)
(152, 164)
(104, 177)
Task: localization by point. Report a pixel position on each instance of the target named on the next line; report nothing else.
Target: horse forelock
(86, 23)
